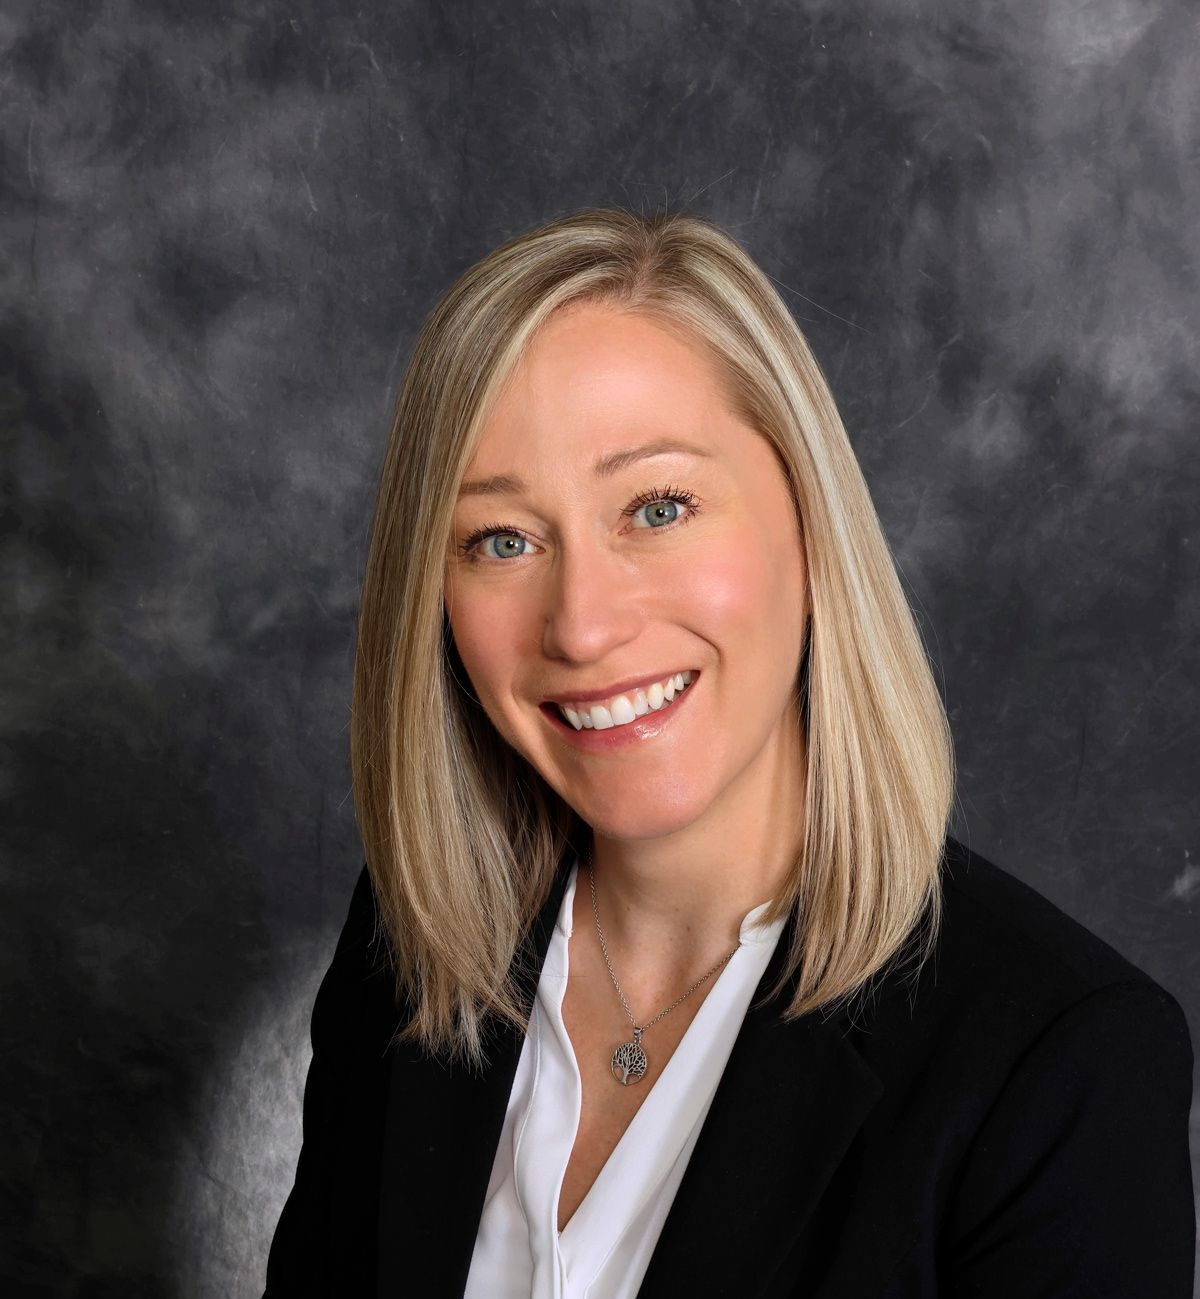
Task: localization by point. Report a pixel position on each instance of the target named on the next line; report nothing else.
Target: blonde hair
(462, 836)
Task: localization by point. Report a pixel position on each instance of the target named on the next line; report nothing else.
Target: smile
(621, 710)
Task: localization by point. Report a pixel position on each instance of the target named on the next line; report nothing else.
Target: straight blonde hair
(461, 834)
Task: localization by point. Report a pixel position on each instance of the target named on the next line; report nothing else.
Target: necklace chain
(639, 1029)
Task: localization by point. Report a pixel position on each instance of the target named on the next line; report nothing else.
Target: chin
(643, 816)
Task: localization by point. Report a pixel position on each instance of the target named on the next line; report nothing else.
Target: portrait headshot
(602, 679)
(636, 683)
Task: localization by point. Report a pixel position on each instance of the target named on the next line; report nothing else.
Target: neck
(681, 897)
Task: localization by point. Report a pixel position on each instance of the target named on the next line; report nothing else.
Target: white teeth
(623, 709)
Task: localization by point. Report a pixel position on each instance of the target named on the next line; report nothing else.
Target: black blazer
(1014, 1125)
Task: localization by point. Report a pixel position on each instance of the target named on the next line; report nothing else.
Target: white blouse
(605, 1248)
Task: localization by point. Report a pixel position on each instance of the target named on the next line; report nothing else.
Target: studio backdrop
(222, 226)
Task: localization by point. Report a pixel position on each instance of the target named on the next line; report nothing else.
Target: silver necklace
(628, 1063)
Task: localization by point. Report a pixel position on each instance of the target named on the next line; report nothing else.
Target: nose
(594, 603)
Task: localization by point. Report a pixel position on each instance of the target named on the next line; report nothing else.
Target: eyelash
(680, 495)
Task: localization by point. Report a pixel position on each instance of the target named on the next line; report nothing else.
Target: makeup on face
(626, 717)
(620, 546)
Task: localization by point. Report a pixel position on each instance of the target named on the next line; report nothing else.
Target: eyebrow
(605, 467)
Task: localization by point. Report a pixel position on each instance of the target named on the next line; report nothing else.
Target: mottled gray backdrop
(222, 225)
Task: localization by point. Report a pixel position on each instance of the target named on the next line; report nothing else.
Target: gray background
(222, 225)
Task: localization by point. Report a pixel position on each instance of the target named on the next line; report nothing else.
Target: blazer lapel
(790, 1100)
(442, 1128)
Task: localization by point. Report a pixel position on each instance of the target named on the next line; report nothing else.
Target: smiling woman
(549, 382)
(653, 781)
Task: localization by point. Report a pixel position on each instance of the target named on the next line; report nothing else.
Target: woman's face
(582, 580)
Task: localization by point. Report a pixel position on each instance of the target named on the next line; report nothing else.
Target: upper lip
(618, 688)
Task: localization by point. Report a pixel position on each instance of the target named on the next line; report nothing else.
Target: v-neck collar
(661, 1130)
(789, 1102)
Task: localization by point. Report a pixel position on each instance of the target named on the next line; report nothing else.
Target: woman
(663, 976)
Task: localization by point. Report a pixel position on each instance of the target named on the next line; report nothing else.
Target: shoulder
(1061, 1081)
(362, 920)
(1001, 931)
(1010, 966)
(357, 994)
(360, 944)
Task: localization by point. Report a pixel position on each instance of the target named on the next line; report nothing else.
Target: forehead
(596, 374)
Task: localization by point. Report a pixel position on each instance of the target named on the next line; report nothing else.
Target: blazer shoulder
(362, 972)
(362, 919)
(1003, 938)
(362, 936)
(1011, 969)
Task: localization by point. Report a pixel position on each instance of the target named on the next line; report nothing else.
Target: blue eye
(510, 538)
(669, 496)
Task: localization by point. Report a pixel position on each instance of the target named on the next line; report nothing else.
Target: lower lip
(644, 728)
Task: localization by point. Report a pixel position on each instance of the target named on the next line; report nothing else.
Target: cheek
(731, 587)
(483, 638)
(748, 598)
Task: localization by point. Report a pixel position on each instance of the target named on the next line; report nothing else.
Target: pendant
(629, 1060)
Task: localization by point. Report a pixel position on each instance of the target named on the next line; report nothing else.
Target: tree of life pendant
(629, 1060)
